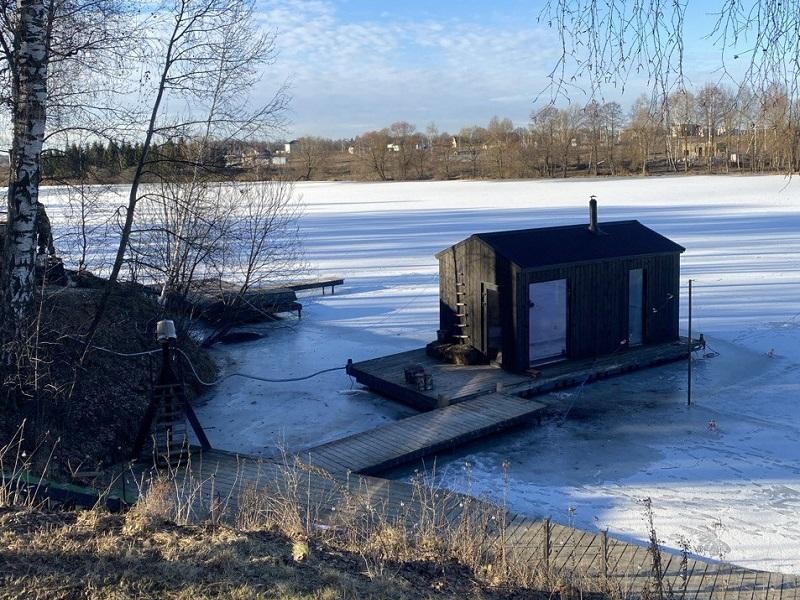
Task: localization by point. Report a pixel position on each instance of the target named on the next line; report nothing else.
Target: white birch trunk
(29, 112)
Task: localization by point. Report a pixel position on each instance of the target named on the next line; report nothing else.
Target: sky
(358, 65)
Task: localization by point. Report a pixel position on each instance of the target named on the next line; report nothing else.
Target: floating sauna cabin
(533, 296)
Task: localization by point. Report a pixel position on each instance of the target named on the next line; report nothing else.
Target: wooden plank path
(424, 434)
(458, 383)
(574, 556)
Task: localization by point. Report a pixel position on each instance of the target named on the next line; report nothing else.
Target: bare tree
(642, 131)
(471, 142)
(502, 146)
(205, 53)
(403, 142)
(712, 102)
(373, 148)
(311, 155)
(543, 125)
(89, 219)
(263, 241)
(614, 121)
(568, 125)
(441, 152)
(682, 122)
(593, 124)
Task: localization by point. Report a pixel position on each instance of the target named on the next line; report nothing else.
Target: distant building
(254, 158)
(684, 130)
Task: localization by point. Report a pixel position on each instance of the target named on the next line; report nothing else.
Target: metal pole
(689, 381)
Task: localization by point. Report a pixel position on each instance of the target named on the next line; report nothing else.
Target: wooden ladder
(168, 433)
(460, 334)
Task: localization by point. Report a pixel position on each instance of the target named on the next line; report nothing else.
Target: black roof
(542, 247)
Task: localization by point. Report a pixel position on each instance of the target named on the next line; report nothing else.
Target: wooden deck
(414, 437)
(564, 552)
(458, 383)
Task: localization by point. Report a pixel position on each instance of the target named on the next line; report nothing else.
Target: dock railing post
(546, 546)
(689, 376)
(604, 550)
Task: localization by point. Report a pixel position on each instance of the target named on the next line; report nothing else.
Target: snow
(732, 491)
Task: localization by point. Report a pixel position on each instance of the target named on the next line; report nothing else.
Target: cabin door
(492, 326)
(547, 323)
(635, 307)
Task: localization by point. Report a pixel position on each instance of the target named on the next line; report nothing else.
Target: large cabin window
(547, 321)
(635, 307)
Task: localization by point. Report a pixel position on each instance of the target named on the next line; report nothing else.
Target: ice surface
(732, 492)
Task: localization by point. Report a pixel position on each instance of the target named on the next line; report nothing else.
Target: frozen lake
(732, 492)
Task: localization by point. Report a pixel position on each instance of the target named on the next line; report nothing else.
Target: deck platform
(458, 383)
(422, 435)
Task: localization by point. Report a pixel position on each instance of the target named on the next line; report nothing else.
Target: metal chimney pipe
(593, 215)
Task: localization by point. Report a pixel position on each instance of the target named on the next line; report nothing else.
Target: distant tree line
(712, 130)
(107, 161)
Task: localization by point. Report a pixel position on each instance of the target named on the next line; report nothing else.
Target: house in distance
(535, 296)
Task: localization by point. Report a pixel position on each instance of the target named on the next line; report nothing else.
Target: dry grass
(98, 555)
(291, 531)
(315, 512)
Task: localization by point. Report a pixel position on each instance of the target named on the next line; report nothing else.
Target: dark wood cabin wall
(479, 267)
(663, 290)
(447, 291)
(597, 304)
(479, 264)
(473, 262)
(511, 322)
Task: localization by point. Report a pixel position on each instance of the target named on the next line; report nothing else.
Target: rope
(229, 375)
(255, 377)
(127, 354)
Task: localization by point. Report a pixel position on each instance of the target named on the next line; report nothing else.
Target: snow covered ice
(731, 489)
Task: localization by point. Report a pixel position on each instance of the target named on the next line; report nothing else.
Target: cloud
(369, 73)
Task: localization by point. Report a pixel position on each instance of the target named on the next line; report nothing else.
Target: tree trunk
(29, 114)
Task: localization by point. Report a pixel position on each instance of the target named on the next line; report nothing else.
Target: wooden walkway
(587, 558)
(458, 383)
(412, 438)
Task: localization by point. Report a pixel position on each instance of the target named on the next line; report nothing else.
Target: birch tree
(29, 116)
(36, 37)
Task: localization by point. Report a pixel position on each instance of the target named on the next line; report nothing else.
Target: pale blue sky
(356, 65)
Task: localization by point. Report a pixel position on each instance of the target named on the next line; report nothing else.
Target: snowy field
(732, 492)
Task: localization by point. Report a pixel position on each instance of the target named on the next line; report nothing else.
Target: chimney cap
(593, 214)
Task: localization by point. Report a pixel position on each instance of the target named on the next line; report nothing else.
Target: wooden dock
(331, 485)
(313, 284)
(458, 383)
(422, 435)
(595, 561)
